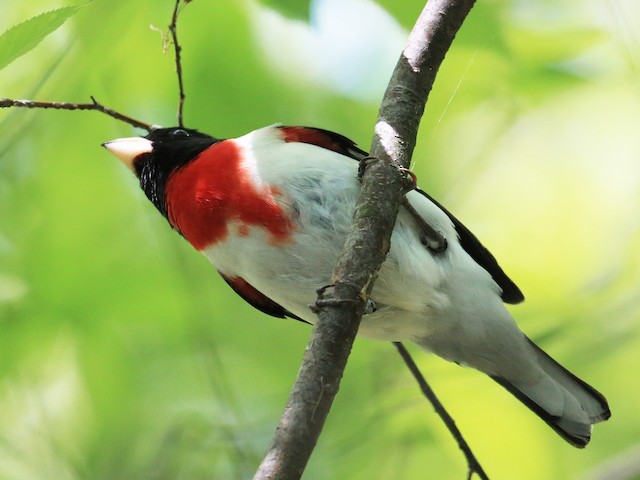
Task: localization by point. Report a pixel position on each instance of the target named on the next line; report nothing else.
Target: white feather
(445, 302)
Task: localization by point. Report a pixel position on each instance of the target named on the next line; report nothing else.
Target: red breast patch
(213, 191)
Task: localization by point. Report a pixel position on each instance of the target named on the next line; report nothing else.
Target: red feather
(208, 194)
(322, 138)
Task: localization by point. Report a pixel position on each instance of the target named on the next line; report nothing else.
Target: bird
(271, 210)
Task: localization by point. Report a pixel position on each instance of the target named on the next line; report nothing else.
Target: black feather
(510, 292)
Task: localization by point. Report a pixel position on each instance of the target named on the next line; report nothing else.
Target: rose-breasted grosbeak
(271, 210)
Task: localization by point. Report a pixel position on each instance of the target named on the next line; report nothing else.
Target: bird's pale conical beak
(128, 149)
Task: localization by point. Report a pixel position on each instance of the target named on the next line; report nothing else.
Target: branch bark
(94, 105)
(342, 303)
(177, 50)
(472, 462)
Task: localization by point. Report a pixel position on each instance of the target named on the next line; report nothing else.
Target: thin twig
(472, 461)
(173, 28)
(343, 302)
(97, 106)
(94, 105)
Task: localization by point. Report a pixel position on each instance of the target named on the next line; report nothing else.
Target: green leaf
(297, 9)
(23, 37)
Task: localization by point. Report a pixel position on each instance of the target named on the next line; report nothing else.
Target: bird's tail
(568, 405)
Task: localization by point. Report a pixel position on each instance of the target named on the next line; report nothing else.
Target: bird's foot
(321, 302)
(363, 164)
(411, 181)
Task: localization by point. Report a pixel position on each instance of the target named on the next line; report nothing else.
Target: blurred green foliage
(123, 355)
(296, 9)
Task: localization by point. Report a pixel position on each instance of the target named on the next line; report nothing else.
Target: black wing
(510, 291)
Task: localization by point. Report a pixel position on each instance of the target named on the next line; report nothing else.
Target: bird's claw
(410, 178)
(321, 303)
(363, 164)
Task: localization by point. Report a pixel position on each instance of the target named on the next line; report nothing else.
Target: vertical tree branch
(177, 50)
(342, 303)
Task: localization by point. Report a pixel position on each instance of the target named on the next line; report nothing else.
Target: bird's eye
(180, 133)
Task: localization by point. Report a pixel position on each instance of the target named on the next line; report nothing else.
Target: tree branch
(177, 50)
(343, 302)
(94, 105)
(472, 462)
(97, 106)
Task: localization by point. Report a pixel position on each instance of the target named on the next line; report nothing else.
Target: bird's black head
(175, 147)
(155, 157)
